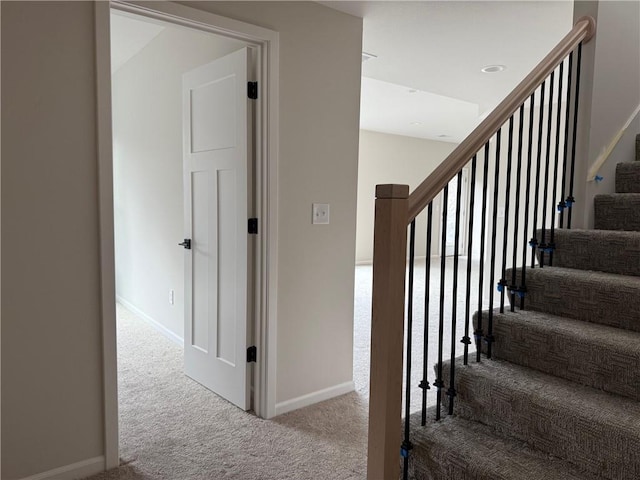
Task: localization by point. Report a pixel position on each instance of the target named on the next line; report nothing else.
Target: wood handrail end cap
(391, 190)
(591, 26)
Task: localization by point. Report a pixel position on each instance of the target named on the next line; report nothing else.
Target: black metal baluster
(515, 289)
(406, 444)
(544, 246)
(443, 257)
(562, 204)
(570, 200)
(467, 314)
(503, 284)
(552, 244)
(424, 383)
(478, 331)
(534, 240)
(454, 303)
(523, 287)
(489, 336)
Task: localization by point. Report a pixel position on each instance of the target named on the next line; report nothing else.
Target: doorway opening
(183, 189)
(147, 177)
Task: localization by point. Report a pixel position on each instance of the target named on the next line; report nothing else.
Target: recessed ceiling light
(412, 90)
(492, 68)
(415, 123)
(443, 136)
(367, 56)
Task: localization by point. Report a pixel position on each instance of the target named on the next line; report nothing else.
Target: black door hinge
(252, 90)
(252, 354)
(253, 226)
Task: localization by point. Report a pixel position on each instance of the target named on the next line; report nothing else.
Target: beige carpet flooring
(172, 428)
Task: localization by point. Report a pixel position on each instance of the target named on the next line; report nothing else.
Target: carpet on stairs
(561, 396)
(460, 449)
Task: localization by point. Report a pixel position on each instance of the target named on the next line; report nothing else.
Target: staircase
(560, 399)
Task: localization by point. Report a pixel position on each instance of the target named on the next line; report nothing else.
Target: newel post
(387, 325)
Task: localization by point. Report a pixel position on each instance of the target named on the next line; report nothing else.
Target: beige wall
(51, 341)
(51, 337)
(147, 163)
(386, 158)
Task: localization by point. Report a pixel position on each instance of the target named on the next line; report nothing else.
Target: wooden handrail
(583, 30)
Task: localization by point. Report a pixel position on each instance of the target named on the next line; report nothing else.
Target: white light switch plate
(320, 214)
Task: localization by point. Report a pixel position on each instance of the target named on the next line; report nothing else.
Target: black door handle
(186, 244)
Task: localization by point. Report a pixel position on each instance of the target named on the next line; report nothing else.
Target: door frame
(265, 42)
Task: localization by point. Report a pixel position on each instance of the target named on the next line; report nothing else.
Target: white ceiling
(391, 108)
(128, 37)
(438, 48)
(425, 80)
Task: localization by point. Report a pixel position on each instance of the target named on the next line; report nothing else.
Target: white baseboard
(154, 323)
(72, 472)
(315, 397)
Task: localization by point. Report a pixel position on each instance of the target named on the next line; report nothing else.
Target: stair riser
(602, 251)
(590, 300)
(436, 463)
(439, 468)
(548, 426)
(617, 212)
(592, 364)
(456, 449)
(628, 177)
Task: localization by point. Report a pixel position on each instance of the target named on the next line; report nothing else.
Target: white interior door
(217, 171)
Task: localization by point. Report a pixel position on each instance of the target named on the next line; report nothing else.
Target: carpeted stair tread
(612, 251)
(457, 449)
(597, 432)
(638, 147)
(617, 211)
(597, 297)
(590, 354)
(628, 177)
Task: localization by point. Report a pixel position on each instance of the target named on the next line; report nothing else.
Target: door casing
(265, 43)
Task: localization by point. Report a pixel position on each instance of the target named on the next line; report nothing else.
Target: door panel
(217, 172)
(227, 254)
(200, 243)
(214, 128)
